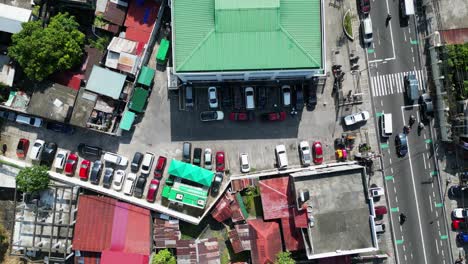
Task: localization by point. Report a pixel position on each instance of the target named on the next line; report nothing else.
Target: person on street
(406, 129)
(412, 119)
(402, 218)
(421, 126)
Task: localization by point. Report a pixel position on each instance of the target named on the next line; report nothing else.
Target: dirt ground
(6, 219)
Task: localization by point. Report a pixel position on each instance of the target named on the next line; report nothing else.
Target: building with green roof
(247, 39)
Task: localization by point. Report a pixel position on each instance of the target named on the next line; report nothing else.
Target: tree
(32, 179)
(284, 258)
(163, 257)
(43, 51)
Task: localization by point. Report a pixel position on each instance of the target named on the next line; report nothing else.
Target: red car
(380, 210)
(241, 116)
(160, 165)
(84, 169)
(459, 224)
(22, 148)
(274, 116)
(220, 161)
(70, 165)
(151, 195)
(317, 152)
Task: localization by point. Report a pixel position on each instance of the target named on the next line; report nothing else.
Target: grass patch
(347, 24)
(252, 201)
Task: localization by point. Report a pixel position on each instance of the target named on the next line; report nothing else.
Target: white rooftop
(11, 18)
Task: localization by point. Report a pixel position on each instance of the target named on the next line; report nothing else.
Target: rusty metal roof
(275, 197)
(455, 36)
(266, 241)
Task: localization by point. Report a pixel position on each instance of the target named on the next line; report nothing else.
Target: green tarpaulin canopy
(146, 76)
(191, 172)
(127, 120)
(138, 101)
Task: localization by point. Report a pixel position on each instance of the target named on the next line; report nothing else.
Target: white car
(119, 177)
(286, 91)
(115, 159)
(60, 159)
(376, 192)
(249, 98)
(212, 97)
(460, 213)
(208, 158)
(36, 149)
(129, 184)
(281, 157)
(356, 118)
(244, 162)
(147, 163)
(304, 153)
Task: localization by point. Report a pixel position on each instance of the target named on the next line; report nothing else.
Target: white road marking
(404, 247)
(430, 202)
(381, 103)
(391, 169)
(413, 59)
(424, 159)
(394, 189)
(404, 34)
(437, 247)
(437, 215)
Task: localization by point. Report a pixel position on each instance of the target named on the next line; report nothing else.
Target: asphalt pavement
(411, 182)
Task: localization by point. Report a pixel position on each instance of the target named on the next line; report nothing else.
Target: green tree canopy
(284, 258)
(43, 51)
(32, 179)
(163, 257)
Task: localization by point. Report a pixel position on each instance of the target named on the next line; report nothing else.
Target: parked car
(136, 161)
(114, 158)
(139, 187)
(380, 228)
(22, 148)
(356, 118)
(364, 6)
(218, 179)
(119, 179)
(281, 157)
(89, 151)
(274, 116)
(206, 116)
(9, 115)
(220, 163)
(208, 159)
(462, 238)
(456, 191)
(129, 184)
(197, 156)
(299, 99)
(187, 152)
(311, 94)
(95, 175)
(29, 120)
(108, 177)
(147, 164)
(380, 210)
(401, 144)
(286, 92)
(249, 98)
(212, 97)
(244, 162)
(84, 169)
(70, 165)
(317, 152)
(376, 192)
(188, 97)
(262, 97)
(241, 116)
(151, 195)
(459, 224)
(460, 213)
(160, 166)
(366, 31)
(36, 149)
(60, 128)
(304, 153)
(60, 159)
(427, 107)
(48, 153)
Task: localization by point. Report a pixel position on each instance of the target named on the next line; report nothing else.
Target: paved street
(412, 182)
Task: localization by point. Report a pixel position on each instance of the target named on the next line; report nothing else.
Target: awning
(127, 120)
(146, 76)
(138, 101)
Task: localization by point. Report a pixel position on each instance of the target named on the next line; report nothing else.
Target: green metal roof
(191, 172)
(127, 120)
(222, 35)
(138, 101)
(146, 76)
(161, 57)
(190, 196)
(106, 82)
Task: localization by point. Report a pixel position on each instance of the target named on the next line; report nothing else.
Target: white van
(281, 157)
(407, 7)
(367, 30)
(249, 98)
(386, 125)
(115, 159)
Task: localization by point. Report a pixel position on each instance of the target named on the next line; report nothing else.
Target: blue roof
(106, 82)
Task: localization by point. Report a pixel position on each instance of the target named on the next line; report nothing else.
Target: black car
(8, 115)
(427, 107)
(187, 152)
(299, 98)
(139, 187)
(89, 151)
(197, 153)
(218, 179)
(311, 94)
(457, 191)
(206, 116)
(136, 161)
(48, 153)
(108, 177)
(60, 127)
(95, 175)
(401, 144)
(262, 98)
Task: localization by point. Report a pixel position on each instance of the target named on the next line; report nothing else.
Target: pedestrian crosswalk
(388, 84)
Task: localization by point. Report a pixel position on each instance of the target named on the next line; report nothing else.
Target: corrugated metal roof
(140, 19)
(166, 233)
(222, 210)
(138, 101)
(248, 35)
(275, 202)
(454, 36)
(291, 236)
(11, 18)
(266, 241)
(113, 257)
(146, 76)
(127, 120)
(115, 13)
(106, 82)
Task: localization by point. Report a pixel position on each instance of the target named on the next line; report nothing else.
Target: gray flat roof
(340, 209)
(106, 82)
(52, 101)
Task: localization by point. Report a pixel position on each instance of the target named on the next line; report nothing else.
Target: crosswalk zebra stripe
(381, 85)
(394, 83)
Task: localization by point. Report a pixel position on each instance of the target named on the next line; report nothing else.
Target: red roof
(241, 184)
(266, 241)
(274, 193)
(455, 36)
(69, 79)
(291, 235)
(222, 210)
(300, 218)
(141, 17)
(114, 257)
(103, 223)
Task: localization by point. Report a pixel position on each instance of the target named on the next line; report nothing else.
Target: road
(411, 182)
